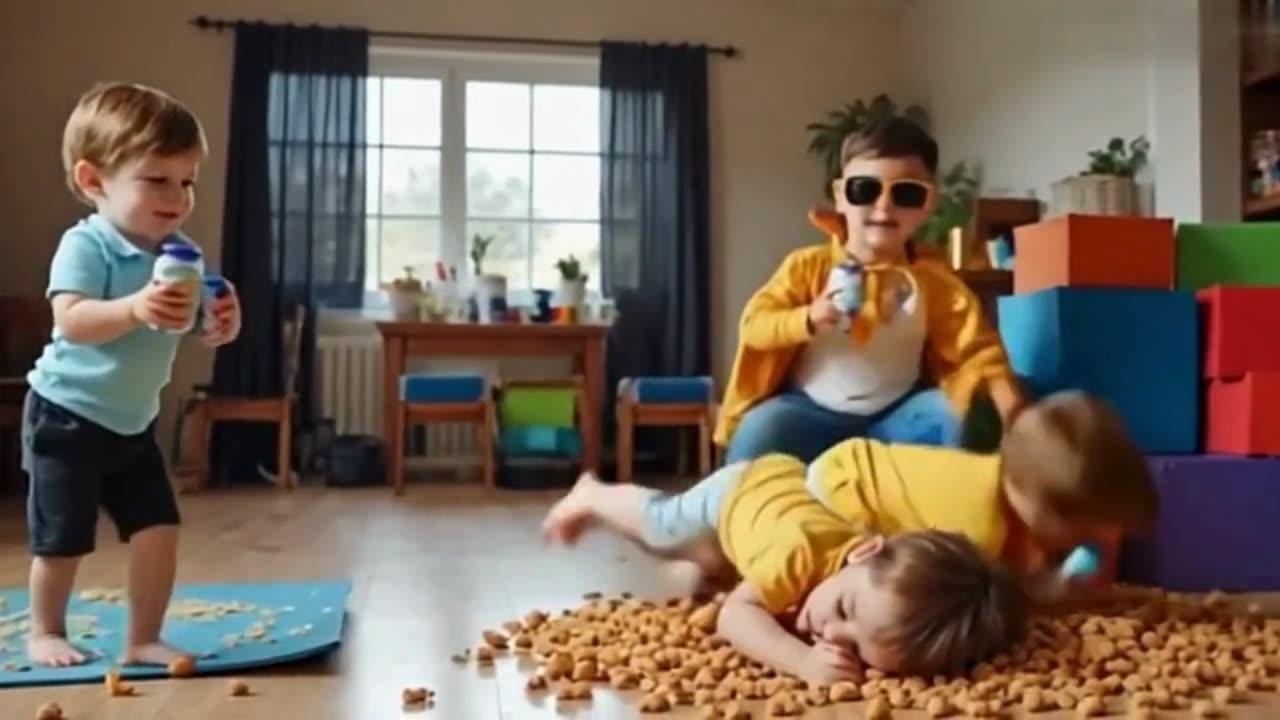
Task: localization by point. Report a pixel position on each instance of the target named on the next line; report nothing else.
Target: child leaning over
(1066, 474)
(918, 603)
(132, 153)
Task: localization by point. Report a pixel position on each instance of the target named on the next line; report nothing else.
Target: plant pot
(1095, 195)
(405, 305)
(491, 299)
(572, 293)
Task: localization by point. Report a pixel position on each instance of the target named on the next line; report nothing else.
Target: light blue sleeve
(78, 266)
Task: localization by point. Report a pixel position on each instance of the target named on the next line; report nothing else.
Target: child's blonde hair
(955, 606)
(117, 123)
(1070, 454)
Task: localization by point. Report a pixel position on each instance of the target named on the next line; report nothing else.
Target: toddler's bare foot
(156, 653)
(53, 651)
(573, 514)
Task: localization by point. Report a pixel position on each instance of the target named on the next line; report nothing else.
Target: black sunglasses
(864, 190)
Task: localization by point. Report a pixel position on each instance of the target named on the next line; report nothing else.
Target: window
(461, 146)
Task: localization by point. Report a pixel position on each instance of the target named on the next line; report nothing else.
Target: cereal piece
(484, 655)
(495, 639)
(412, 696)
(237, 688)
(49, 711)
(536, 683)
(654, 703)
(575, 691)
(584, 670)
(1205, 709)
(1090, 706)
(462, 657)
(117, 687)
(1140, 713)
(784, 704)
(182, 666)
(845, 691)
(878, 709)
(938, 707)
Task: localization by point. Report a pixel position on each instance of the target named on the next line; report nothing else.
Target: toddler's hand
(826, 664)
(163, 306)
(823, 313)
(225, 324)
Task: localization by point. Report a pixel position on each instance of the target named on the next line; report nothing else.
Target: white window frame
(454, 68)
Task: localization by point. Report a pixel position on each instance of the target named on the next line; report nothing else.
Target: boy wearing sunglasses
(864, 336)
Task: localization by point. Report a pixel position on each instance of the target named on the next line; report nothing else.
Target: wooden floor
(430, 570)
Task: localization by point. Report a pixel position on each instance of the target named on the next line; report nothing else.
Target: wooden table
(584, 344)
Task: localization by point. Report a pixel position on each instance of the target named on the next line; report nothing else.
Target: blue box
(428, 388)
(1136, 348)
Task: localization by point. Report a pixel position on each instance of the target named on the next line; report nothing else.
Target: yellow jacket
(963, 352)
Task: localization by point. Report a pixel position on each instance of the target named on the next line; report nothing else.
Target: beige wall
(799, 60)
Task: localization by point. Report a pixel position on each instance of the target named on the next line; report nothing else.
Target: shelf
(1262, 206)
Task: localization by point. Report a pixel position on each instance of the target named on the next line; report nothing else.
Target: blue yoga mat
(228, 627)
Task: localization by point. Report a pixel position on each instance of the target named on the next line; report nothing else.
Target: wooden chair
(25, 327)
(675, 402)
(426, 399)
(207, 409)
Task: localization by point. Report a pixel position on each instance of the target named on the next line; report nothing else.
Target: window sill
(363, 320)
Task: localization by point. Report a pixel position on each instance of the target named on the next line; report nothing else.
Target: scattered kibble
(49, 711)
(237, 688)
(182, 666)
(416, 696)
(117, 687)
(1144, 653)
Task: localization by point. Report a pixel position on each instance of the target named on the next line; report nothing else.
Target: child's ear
(88, 178)
(837, 193)
(865, 550)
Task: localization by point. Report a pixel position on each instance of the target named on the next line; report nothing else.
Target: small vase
(491, 299)
(572, 293)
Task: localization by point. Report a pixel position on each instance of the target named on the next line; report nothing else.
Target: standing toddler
(133, 154)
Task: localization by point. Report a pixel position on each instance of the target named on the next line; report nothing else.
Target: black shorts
(76, 466)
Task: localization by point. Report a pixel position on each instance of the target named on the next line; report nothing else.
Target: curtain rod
(207, 23)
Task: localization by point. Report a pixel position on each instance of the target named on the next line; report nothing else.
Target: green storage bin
(1227, 254)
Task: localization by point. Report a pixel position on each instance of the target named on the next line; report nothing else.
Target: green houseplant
(826, 137)
(1108, 185)
(479, 248)
(958, 187)
(1118, 158)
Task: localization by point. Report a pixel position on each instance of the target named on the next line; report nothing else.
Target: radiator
(349, 383)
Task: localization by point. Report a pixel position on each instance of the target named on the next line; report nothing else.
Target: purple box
(1218, 529)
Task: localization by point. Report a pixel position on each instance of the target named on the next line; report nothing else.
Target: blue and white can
(846, 286)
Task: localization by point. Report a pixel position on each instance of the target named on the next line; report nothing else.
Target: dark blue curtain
(294, 215)
(655, 207)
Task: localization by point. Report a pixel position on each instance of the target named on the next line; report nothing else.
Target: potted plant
(957, 195)
(1108, 186)
(827, 137)
(573, 283)
(405, 295)
(491, 288)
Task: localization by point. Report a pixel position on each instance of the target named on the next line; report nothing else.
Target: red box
(1243, 415)
(1093, 251)
(1236, 335)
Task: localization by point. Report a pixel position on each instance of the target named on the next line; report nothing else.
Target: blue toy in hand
(1084, 561)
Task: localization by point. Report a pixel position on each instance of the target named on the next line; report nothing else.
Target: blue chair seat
(423, 388)
(671, 390)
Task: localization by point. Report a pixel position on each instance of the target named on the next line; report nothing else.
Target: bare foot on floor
(156, 653)
(53, 651)
(573, 514)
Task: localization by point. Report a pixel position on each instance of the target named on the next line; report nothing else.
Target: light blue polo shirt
(115, 384)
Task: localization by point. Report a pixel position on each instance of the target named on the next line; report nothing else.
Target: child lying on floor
(1067, 474)
(921, 603)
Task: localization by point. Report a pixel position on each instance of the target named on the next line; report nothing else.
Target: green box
(1227, 254)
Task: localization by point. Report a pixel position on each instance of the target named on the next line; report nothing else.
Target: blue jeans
(793, 424)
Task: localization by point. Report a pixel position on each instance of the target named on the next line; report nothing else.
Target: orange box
(1093, 251)
(1243, 415)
